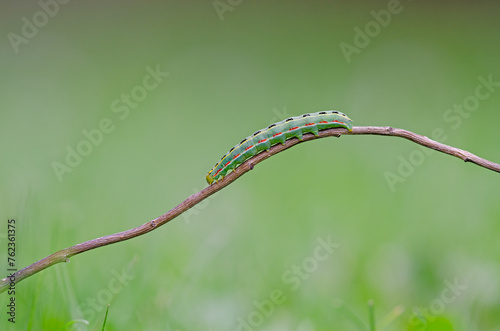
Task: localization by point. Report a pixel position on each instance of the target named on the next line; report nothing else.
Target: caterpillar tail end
(210, 179)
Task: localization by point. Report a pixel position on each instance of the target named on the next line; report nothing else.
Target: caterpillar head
(210, 179)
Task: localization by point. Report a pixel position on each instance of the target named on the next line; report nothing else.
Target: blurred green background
(416, 232)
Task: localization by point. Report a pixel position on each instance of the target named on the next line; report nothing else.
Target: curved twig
(424, 141)
(65, 254)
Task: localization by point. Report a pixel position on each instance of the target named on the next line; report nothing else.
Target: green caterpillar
(293, 127)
